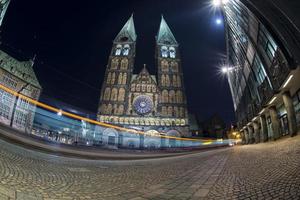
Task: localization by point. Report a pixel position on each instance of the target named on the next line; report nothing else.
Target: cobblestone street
(263, 171)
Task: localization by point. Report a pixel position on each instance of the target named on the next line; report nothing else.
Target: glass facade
(253, 53)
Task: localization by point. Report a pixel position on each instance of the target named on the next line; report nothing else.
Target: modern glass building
(263, 54)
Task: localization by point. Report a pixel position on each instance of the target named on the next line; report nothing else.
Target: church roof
(20, 69)
(128, 30)
(165, 35)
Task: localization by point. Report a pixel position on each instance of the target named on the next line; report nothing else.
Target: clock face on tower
(143, 104)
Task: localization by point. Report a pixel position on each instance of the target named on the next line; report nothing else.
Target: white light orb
(224, 70)
(218, 21)
(216, 3)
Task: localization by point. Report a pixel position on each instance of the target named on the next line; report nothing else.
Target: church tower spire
(127, 32)
(165, 35)
(115, 87)
(170, 76)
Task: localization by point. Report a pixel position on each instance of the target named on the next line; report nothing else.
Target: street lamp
(218, 3)
(218, 21)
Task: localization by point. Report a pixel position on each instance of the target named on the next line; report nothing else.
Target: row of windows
(168, 52)
(114, 94)
(166, 82)
(165, 66)
(111, 78)
(9, 82)
(116, 62)
(4, 111)
(143, 88)
(144, 121)
(172, 111)
(122, 50)
(115, 109)
(20, 118)
(171, 96)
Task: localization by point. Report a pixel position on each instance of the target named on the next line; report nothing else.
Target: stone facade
(144, 101)
(19, 77)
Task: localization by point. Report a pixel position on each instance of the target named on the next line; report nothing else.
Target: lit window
(164, 51)
(259, 71)
(126, 50)
(172, 52)
(267, 43)
(118, 50)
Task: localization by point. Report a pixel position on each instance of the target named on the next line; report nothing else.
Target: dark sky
(72, 40)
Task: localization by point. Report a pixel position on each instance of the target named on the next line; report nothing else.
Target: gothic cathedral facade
(154, 103)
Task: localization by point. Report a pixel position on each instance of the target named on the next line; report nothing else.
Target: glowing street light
(224, 70)
(218, 21)
(217, 3)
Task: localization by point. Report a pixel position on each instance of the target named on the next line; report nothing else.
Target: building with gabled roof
(18, 76)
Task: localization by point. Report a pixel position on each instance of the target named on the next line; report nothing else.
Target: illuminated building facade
(144, 101)
(18, 76)
(263, 47)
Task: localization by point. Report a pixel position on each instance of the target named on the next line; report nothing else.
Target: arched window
(126, 50)
(174, 66)
(109, 109)
(114, 63)
(113, 78)
(174, 81)
(181, 112)
(124, 64)
(172, 52)
(165, 96)
(120, 78)
(114, 94)
(107, 94)
(133, 87)
(121, 110)
(108, 80)
(148, 88)
(179, 97)
(164, 51)
(118, 50)
(138, 87)
(164, 66)
(178, 81)
(163, 80)
(176, 111)
(103, 109)
(121, 96)
(124, 78)
(164, 110)
(115, 111)
(170, 111)
(167, 80)
(172, 96)
(143, 88)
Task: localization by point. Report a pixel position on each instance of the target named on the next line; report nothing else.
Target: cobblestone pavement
(262, 171)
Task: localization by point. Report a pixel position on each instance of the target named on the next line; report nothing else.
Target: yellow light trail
(50, 108)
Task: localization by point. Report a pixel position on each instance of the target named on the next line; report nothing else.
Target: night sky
(73, 39)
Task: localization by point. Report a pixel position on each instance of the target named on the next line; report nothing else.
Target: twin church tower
(154, 103)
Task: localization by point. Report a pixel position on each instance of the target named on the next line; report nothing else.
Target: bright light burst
(218, 21)
(216, 3)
